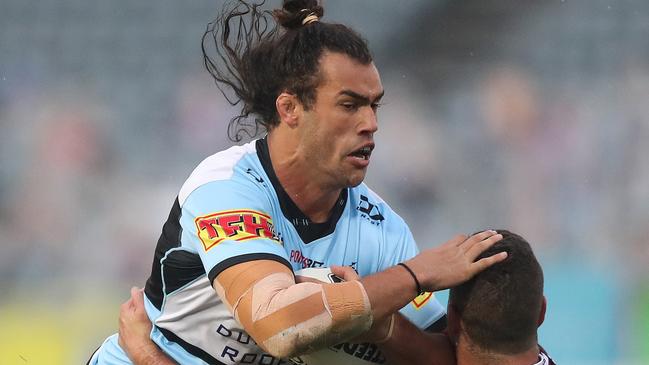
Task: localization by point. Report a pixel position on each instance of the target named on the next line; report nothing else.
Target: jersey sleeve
(229, 222)
(425, 309)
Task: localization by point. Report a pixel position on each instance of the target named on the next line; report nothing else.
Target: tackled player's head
(253, 61)
(500, 309)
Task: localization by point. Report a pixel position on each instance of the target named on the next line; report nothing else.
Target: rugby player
(222, 288)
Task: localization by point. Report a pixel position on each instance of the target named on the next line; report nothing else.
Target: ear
(289, 109)
(542, 313)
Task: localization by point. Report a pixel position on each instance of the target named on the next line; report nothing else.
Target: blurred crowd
(533, 118)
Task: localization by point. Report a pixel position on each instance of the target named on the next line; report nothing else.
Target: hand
(134, 325)
(347, 273)
(454, 262)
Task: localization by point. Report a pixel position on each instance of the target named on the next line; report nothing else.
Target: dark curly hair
(253, 61)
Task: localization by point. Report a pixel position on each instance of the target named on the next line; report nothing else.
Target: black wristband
(419, 291)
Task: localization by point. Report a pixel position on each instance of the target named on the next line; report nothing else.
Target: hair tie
(312, 17)
(419, 290)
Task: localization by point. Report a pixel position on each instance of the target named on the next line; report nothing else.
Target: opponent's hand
(134, 324)
(134, 331)
(454, 262)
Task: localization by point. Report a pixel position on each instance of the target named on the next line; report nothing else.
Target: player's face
(339, 128)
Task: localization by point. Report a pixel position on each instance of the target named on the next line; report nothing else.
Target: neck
(470, 354)
(315, 200)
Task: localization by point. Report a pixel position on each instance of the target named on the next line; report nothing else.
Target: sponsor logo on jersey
(297, 257)
(307, 262)
(369, 211)
(234, 225)
(421, 300)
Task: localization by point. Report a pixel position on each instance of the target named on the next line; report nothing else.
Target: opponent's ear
(289, 109)
(542, 313)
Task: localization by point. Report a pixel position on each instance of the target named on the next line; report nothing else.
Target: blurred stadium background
(527, 115)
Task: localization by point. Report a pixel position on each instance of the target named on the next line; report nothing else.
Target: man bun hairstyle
(253, 60)
(294, 13)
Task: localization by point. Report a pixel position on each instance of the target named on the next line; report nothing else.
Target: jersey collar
(308, 230)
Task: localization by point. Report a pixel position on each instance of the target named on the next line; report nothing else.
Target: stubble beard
(334, 171)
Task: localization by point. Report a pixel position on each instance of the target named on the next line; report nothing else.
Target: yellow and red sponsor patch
(233, 225)
(421, 300)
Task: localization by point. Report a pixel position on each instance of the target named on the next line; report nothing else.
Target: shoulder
(222, 166)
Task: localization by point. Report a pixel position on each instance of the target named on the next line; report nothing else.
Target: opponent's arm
(410, 345)
(134, 330)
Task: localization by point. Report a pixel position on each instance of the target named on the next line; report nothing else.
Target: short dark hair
(254, 62)
(500, 306)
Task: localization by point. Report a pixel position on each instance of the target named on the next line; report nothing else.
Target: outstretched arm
(288, 319)
(435, 269)
(438, 268)
(134, 330)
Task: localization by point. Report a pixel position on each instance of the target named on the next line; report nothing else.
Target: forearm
(150, 355)
(410, 345)
(389, 290)
(287, 319)
(434, 269)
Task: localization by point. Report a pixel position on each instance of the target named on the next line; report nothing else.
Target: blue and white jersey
(232, 209)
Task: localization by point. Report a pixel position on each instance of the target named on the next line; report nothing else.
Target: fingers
(480, 246)
(127, 305)
(137, 296)
(478, 237)
(488, 261)
(346, 273)
(133, 303)
(458, 240)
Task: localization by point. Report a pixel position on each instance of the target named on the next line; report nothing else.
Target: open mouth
(363, 153)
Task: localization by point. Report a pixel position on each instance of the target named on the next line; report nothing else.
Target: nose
(369, 122)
